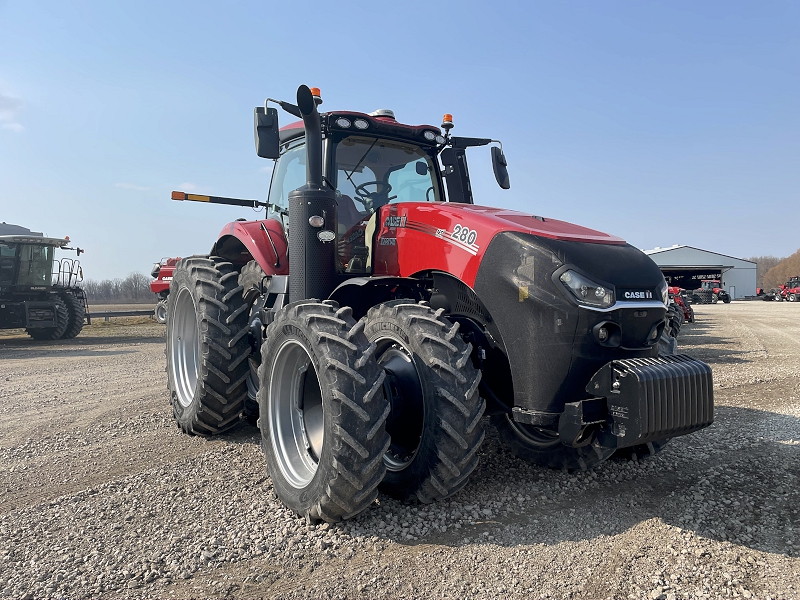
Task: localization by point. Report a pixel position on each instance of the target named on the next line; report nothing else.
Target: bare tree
(133, 289)
(785, 269)
(763, 264)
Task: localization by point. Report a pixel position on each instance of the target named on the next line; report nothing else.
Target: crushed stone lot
(103, 497)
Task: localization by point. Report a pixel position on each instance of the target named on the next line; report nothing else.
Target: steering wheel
(366, 197)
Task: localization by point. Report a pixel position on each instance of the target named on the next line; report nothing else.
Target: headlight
(663, 291)
(429, 135)
(342, 122)
(361, 123)
(587, 291)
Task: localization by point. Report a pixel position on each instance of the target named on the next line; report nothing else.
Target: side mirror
(500, 167)
(266, 130)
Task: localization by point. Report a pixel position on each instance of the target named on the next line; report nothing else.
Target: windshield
(35, 265)
(369, 173)
(374, 171)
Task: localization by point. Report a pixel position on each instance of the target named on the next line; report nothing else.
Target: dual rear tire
(207, 346)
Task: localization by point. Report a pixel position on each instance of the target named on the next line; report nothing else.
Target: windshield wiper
(359, 163)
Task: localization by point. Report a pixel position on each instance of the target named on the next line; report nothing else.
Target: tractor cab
(26, 263)
(370, 161)
(710, 284)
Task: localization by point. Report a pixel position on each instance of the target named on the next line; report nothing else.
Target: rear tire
(792, 298)
(432, 388)
(322, 411)
(62, 321)
(76, 314)
(254, 282)
(714, 298)
(206, 345)
(160, 312)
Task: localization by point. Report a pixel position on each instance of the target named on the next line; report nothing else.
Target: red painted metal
(253, 235)
(164, 278)
(422, 236)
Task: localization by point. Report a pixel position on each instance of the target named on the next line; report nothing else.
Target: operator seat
(348, 214)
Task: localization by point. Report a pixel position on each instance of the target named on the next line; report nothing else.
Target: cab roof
(383, 125)
(34, 239)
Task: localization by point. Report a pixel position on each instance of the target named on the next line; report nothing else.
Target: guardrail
(141, 312)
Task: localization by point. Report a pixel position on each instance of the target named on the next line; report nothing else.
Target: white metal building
(686, 266)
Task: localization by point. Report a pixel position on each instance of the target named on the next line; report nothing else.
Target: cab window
(289, 174)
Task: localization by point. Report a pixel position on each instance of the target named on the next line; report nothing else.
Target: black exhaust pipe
(312, 217)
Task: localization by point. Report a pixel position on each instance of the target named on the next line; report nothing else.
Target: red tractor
(710, 292)
(371, 340)
(679, 298)
(789, 291)
(162, 277)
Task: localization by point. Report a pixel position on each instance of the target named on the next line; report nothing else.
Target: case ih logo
(395, 222)
(647, 294)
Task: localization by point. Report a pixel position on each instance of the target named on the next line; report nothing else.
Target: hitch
(580, 420)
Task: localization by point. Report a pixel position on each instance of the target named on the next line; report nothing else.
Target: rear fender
(262, 241)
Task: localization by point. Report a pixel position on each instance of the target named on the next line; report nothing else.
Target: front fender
(262, 241)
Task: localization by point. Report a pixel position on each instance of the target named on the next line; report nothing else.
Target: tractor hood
(450, 237)
(510, 220)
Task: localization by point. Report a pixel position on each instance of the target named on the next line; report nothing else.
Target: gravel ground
(103, 497)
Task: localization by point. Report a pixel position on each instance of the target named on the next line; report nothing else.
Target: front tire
(62, 322)
(206, 345)
(76, 314)
(792, 297)
(322, 411)
(432, 388)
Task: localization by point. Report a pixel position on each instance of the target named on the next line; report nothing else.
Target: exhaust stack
(312, 246)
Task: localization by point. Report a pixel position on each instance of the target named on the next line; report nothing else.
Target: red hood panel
(423, 236)
(512, 220)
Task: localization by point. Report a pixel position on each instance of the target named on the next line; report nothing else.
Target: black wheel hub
(403, 390)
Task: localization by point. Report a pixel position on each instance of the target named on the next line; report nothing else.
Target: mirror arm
(292, 109)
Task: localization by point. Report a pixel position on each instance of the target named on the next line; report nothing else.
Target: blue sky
(661, 122)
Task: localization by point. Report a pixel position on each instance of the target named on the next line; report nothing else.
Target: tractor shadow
(718, 483)
(74, 347)
(737, 481)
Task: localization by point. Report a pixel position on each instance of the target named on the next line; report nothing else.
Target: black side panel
(549, 339)
(536, 322)
(312, 262)
(12, 315)
(457, 175)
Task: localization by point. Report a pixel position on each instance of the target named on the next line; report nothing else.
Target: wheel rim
(161, 312)
(534, 437)
(185, 347)
(295, 414)
(403, 390)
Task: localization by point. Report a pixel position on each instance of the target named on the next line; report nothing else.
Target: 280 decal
(461, 237)
(464, 234)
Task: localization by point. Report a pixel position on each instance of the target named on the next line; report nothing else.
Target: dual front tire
(347, 408)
